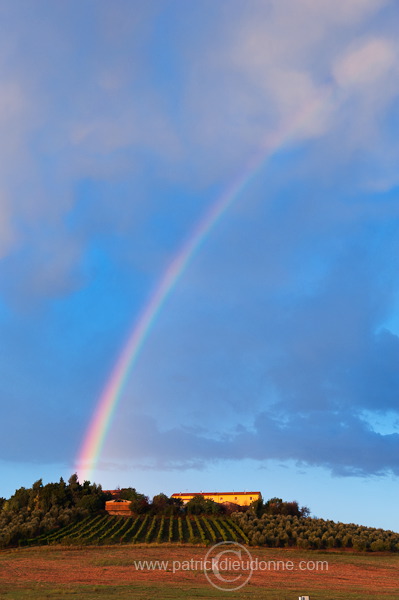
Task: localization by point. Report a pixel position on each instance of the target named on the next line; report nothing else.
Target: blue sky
(273, 364)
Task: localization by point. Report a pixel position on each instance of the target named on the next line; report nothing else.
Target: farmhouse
(118, 507)
(240, 498)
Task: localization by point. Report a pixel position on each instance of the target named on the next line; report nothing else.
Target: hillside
(279, 531)
(71, 513)
(272, 531)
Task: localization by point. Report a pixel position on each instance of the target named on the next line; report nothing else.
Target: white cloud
(270, 67)
(259, 71)
(7, 233)
(57, 128)
(367, 64)
(14, 117)
(351, 11)
(12, 101)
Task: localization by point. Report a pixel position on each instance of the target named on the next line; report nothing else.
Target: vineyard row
(148, 529)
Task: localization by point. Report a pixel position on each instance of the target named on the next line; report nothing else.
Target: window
(235, 498)
(250, 497)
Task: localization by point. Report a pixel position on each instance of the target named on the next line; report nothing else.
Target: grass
(149, 592)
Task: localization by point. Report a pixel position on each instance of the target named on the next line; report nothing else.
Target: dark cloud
(341, 442)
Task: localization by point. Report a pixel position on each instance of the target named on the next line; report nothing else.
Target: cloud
(51, 270)
(278, 63)
(341, 443)
(366, 64)
(102, 112)
(70, 115)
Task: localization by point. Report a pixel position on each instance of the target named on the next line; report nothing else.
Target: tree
(198, 505)
(19, 500)
(258, 507)
(304, 511)
(139, 503)
(163, 505)
(91, 502)
(160, 503)
(74, 486)
(276, 506)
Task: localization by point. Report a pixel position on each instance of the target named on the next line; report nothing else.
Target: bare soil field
(111, 572)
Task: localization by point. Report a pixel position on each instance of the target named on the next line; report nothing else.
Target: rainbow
(101, 420)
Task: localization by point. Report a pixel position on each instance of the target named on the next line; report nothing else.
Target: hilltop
(71, 513)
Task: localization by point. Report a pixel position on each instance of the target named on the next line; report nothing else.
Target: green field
(106, 529)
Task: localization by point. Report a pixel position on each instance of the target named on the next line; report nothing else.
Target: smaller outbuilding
(118, 507)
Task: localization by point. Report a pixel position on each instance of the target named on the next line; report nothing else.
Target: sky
(272, 363)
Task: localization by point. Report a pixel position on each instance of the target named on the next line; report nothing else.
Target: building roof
(216, 494)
